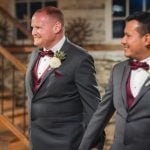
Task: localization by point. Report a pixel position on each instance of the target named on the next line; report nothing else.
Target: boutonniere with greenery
(56, 60)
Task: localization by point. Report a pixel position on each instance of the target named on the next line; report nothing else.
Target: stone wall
(104, 62)
(93, 11)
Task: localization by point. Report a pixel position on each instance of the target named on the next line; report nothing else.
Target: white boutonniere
(56, 60)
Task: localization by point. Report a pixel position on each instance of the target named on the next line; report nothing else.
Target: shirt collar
(58, 46)
(147, 60)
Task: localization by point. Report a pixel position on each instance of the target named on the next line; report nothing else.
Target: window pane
(52, 3)
(34, 6)
(148, 5)
(21, 10)
(119, 8)
(135, 5)
(118, 27)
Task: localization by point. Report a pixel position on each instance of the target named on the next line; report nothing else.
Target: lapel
(125, 75)
(47, 74)
(50, 71)
(33, 59)
(144, 89)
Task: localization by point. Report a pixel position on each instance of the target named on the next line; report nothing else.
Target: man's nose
(33, 31)
(123, 40)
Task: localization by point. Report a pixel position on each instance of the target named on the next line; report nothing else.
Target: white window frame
(108, 21)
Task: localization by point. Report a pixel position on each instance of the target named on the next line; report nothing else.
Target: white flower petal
(55, 62)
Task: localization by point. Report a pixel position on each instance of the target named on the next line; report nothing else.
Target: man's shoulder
(77, 50)
(121, 65)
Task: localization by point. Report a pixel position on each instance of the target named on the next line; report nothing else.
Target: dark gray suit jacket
(63, 105)
(132, 130)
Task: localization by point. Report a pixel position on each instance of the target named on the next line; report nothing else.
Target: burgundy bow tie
(136, 64)
(48, 53)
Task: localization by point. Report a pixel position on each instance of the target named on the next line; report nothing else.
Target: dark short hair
(144, 21)
(54, 12)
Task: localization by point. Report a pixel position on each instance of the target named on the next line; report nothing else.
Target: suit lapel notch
(47, 74)
(64, 48)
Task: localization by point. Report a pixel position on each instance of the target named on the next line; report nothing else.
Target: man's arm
(87, 86)
(99, 120)
(88, 89)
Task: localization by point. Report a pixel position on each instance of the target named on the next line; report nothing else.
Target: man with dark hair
(61, 85)
(128, 92)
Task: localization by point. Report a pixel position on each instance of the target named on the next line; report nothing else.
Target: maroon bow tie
(48, 53)
(136, 64)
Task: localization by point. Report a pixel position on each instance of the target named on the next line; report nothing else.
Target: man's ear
(147, 40)
(57, 27)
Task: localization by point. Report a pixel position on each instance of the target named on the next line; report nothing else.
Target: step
(7, 136)
(9, 139)
(16, 146)
(12, 143)
(5, 94)
(18, 120)
(19, 123)
(18, 112)
(4, 146)
(9, 104)
(13, 133)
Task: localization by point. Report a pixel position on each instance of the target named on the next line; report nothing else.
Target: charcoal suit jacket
(65, 101)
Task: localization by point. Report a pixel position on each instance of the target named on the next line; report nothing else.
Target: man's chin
(127, 55)
(37, 44)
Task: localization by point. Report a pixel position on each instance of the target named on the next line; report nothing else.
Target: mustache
(125, 46)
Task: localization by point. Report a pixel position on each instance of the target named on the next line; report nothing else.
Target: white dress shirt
(44, 61)
(138, 77)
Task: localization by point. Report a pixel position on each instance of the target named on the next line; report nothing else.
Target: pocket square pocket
(58, 73)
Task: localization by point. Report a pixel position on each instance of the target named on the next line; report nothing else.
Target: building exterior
(97, 23)
(101, 19)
